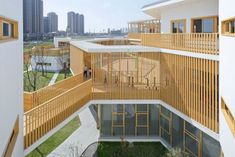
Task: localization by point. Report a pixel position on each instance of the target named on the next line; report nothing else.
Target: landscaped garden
(61, 76)
(34, 80)
(125, 149)
(55, 140)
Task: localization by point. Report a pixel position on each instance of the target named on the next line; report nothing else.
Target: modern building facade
(170, 81)
(75, 23)
(11, 84)
(33, 18)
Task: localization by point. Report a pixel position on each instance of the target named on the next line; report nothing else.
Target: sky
(99, 14)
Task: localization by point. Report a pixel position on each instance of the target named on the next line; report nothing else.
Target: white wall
(55, 61)
(57, 40)
(11, 79)
(187, 10)
(227, 77)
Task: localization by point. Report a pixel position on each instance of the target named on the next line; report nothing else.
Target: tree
(63, 61)
(33, 65)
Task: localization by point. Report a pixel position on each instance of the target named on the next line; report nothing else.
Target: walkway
(53, 79)
(85, 135)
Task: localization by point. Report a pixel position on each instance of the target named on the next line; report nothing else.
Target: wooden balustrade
(42, 119)
(206, 43)
(40, 96)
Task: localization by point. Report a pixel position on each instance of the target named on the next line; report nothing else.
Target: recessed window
(228, 27)
(205, 25)
(178, 26)
(8, 29)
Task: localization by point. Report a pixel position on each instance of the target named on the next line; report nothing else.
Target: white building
(11, 84)
(227, 77)
(51, 60)
(61, 42)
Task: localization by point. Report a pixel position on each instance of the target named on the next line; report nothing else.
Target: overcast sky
(99, 14)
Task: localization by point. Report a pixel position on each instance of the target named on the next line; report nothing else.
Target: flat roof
(92, 47)
(160, 3)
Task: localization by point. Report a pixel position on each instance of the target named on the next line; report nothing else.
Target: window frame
(177, 21)
(226, 27)
(12, 29)
(215, 26)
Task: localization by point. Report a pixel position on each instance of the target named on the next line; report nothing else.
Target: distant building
(33, 18)
(52, 22)
(46, 24)
(75, 23)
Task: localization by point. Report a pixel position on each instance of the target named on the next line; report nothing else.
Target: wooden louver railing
(206, 43)
(45, 117)
(33, 99)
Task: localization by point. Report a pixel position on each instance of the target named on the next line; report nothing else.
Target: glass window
(178, 26)
(233, 27)
(142, 119)
(181, 27)
(165, 135)
(165, 124)
(117, 131)
(191, 145)
(191, 129)
(106, 122)
(154, 117)
(197, 26)
(142, 108)
(117, 119)
(210, 147)
(6, 30)
(208, 25)
(130, 120)
(174, 27)
(177, 131)
(118, 108)
(165, 112)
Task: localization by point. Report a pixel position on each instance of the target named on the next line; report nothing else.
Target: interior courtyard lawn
(61, 76)
(136, 149)
(55, 140)
(41, 81)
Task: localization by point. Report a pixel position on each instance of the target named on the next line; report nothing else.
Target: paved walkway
(53, 79)
(85, 135)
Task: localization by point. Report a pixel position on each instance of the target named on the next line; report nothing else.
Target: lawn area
(55, 140)
(30, 45)
(41, 81)
(61, 76)
(136, 149)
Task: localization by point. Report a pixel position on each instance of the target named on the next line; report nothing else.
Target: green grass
(30, 45)
(137, 149)
(42, 81)
(55, 140)
(61, 76)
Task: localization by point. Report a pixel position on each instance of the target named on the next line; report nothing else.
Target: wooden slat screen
(42, 119)
(206, 43)
(40, 96)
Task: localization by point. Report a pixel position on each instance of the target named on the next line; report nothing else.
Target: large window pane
(233, 26)
(208, 25)
(177, 131)
(210, 147)
(165, 124)
(130, 120)
(118, 131)
(142, 108)
(191, 145)
(118, 108)
(106, 121)
(165, 112)
(165, 136)
(153, 123)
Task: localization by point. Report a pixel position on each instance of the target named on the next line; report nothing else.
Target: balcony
(205, 43)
